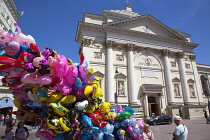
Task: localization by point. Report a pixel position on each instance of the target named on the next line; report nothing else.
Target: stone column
(197, 79)
(109, 86)
(131, 75)
(185, 88)
(168, 80)
(146, 106)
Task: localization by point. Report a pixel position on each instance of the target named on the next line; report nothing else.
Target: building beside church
(144, 64)
(8, 16)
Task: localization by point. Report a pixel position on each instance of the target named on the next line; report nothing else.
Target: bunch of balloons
(61, 97)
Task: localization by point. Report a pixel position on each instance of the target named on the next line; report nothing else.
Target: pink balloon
(5, 37)
(61, 66)
(22, 38)
(63, 87)
(131, 132)
(140, 137)
(71, 74)
(140, 123)
(43, 80)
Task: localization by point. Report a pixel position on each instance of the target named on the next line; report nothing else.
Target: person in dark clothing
(206, 116)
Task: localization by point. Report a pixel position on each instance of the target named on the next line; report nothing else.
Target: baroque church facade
(144, 64)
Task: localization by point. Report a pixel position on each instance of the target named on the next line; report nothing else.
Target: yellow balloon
(69, 99)
(104, 107)
(16, 102)
(88, 90)
(55, 98)
(90, 109)
(96, 93)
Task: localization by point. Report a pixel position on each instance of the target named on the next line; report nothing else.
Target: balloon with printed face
(5, 37)
(119, 109)
(22, 38)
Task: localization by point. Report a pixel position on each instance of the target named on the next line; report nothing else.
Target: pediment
(176, 79)
(190, 81)
(147, 24)
(98, 74)
(120, 75)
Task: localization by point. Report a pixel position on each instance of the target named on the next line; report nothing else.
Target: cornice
(87, 26)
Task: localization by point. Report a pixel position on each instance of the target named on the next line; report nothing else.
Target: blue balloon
(87, 121)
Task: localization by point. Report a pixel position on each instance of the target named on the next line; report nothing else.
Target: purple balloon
(119, 109)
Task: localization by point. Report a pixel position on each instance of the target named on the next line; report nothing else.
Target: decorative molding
(192, 57)
(190, 81)
(187, 65)
(98, 55)
(130, 47)
(97, 44)
(172, 55)
(165, 52)
(148, 51)
(110, 43)
(173, 64)
(180, 54)
(86, 42)
(119, 57)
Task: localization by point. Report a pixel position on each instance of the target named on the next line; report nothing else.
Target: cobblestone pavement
(198, 130)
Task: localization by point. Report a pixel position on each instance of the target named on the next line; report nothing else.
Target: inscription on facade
(149, 73)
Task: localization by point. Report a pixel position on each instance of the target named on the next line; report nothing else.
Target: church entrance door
(153, 106)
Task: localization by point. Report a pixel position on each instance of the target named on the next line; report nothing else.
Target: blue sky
(53, 23)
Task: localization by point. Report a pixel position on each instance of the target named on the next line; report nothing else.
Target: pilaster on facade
(131, 75)
(184, 84)
(167, 73)
(109, 87)
(197, 80)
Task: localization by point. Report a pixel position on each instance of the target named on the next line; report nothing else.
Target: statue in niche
(121, 89)
(192, 92)
(176, 90)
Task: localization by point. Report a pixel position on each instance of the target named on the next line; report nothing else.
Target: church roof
(127, 13)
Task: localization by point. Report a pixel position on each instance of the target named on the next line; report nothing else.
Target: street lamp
(116, 73)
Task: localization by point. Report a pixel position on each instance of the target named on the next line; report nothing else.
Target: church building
(144, 64)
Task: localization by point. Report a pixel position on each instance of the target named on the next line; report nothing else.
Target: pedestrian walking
(21, 132)
(181, 131)
(9, 134)
(206, 116)
(148, 134)
(1, 119)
